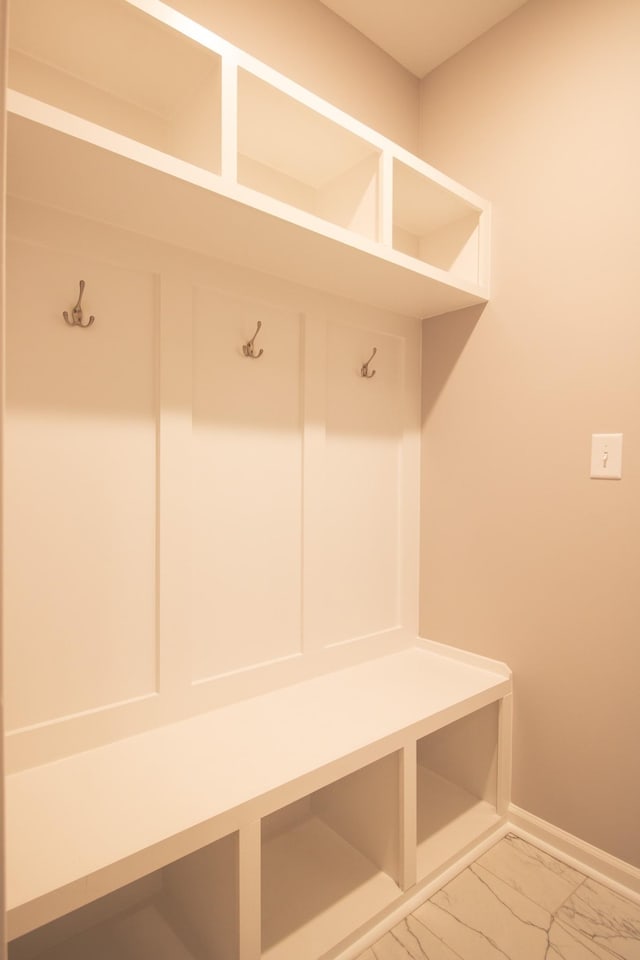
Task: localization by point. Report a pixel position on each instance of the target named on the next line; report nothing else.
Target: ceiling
(420, 34)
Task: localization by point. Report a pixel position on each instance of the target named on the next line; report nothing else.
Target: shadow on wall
(447, 337)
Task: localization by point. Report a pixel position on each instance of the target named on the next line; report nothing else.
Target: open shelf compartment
(434, 224)
(186, 911)
(113, 65)
(457, 775)
(330, 861)
(296, 155)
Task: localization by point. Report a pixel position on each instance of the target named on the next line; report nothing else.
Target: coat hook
(76, 313)
(248, 347)
(364, 369)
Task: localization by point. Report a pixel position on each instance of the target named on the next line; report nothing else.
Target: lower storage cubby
(330, 861)
(456, 787)
(186, 911)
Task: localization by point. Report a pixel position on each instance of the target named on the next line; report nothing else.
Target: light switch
(606, 456)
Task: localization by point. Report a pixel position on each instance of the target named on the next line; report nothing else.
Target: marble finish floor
(516, 902)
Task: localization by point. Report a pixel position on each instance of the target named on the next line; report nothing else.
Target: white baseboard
(587, 859)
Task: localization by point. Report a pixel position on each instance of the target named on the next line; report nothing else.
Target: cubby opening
(330, 861)
(434, 225)
(113, 65)
(293, 154)
(457, 787)
(186, 911)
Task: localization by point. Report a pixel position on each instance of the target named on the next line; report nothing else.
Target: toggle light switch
(606, 456)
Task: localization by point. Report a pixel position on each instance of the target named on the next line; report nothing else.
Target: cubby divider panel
(186, 911)
(141, 78)
(330, 861)
(456, 787)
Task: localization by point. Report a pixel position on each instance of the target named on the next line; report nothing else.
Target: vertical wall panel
(80, 487)
(3, 213)
(363, 483)
(247, 485)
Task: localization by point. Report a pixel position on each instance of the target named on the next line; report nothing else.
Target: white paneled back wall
(187, 525)
(247, 484)
(363, 482)
(80, 486)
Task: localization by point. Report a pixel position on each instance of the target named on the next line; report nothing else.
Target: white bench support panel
(90, 823)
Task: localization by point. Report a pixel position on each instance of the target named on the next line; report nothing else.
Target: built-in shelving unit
(225, 156)
(229, 745)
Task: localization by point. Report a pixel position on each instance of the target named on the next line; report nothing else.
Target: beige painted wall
(306, 41)
(524, 557)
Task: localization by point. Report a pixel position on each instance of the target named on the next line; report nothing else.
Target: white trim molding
(601, 866)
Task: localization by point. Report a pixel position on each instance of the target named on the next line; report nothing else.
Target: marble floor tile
(516, 903)
(535, 874)
(479, 916)
(410, 940)
(568, 944)
(606, 921)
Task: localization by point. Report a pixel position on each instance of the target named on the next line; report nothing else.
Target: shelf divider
(229, 120)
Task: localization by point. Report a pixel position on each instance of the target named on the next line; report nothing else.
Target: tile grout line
(568, 897)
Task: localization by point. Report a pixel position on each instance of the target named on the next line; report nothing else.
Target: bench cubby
(330, 861)
(457, 786)
(186, 911)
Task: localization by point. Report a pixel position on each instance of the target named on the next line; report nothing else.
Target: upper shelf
(129, 113)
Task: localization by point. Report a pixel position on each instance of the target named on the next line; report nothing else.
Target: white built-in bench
(277, 826)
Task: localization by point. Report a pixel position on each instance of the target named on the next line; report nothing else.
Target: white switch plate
(606, 456)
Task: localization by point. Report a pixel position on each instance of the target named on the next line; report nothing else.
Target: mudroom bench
(279, 826)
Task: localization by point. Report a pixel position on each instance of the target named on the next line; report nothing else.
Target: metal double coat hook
(248, 348)
(364, 369)
(76, 319)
